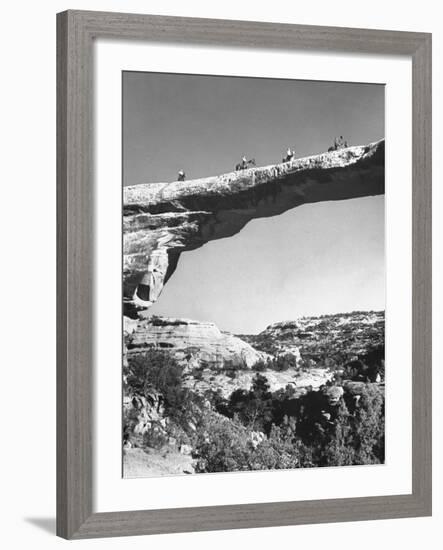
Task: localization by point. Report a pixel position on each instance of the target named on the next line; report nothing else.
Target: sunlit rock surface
(355, 334)
(195, 343)
(215, 360)
(162, 220)
(300, 382)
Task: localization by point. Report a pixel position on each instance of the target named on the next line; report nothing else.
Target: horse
(337, 147)
(245, 165)
(339, 143)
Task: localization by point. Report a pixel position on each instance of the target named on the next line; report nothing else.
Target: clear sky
(319, 258)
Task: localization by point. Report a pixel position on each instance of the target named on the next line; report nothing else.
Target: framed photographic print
(244, 274)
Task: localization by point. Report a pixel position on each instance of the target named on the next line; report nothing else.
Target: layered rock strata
(162, 220)
(195, 343)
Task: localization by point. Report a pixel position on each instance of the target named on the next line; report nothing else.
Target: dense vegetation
(327, 340)
(157, 371)
(259, 429)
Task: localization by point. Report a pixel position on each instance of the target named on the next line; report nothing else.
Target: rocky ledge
(354, 334)
(216, 360)
(191, 342)
(162, 220)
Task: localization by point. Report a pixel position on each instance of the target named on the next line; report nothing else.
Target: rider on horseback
(245, 163)
(289, 155)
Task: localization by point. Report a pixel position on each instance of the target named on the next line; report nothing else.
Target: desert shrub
(197, 373)
(366, 367)
(291, 449)
(284, 362)
(159, 371)
(254, 407)
(369, 426)
(225, 445)
(283, 394)
(221, 445)
(265, 342)
(300, 432)
(351, 438)
(260, 366)
(155, 437)
(234, 365)
(338, 448)
(179, 434)
(332, 435)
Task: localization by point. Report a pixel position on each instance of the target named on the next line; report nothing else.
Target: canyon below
(305, 392)
(337, 357)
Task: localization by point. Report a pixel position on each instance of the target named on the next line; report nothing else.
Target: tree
(370, 426)
(222, 445)
(159, 371)
(285, 361)
(254, 407)
(225, 445)
(339, 449)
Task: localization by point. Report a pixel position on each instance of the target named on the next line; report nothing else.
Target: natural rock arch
(162, 220)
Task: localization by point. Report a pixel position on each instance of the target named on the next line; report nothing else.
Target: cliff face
(219, 361)
(192, 342)
(162, 220)
(352, 334)
(213, 360)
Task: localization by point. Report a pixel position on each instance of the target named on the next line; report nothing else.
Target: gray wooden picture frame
(76, 31)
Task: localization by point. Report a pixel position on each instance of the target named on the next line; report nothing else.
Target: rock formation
(356, 334)
(162, 220)
(141, 413)
(192, 342)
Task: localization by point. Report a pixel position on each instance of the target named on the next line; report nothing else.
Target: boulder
(333, 394)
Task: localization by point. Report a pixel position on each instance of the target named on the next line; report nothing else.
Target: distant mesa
(162, 220)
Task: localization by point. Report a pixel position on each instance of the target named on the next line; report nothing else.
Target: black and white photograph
(235, 245)
(253, 274)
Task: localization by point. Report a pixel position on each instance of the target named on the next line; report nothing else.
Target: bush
(314, 432)
(221, 446)
(260, 366)
(296, 430)
(155, 437)
(159, 371)
(227, 446)
(352, 438)
(369, 425)
(367, 367)
(284, 362)
(254, 407)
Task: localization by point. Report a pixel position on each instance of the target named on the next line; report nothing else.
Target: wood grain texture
(422, 272)
(76, 31)
(74, 281)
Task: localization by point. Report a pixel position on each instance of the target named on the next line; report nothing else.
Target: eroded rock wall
(191, 342)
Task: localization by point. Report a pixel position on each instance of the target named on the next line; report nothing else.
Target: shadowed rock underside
(162, 220)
